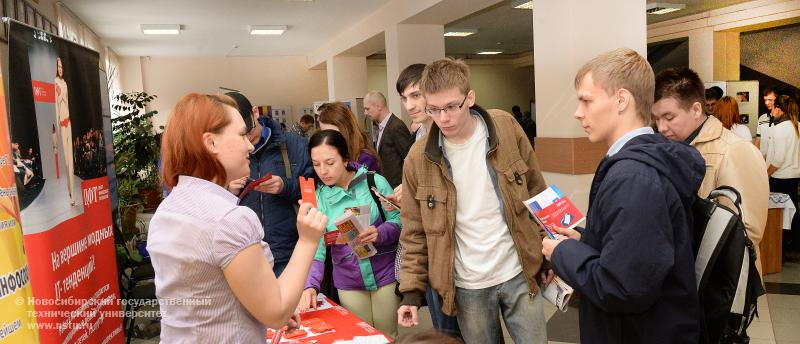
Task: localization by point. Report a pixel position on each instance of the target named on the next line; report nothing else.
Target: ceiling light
(663, 8)
(460, 32)
(525, 5)
(161, 29)
(267, 29)
(490, 52)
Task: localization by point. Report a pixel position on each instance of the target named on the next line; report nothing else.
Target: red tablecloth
(346, 326)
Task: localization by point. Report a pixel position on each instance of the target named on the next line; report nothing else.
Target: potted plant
(136, 154)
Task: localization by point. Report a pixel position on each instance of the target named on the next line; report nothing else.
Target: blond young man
(466, 232)
(633, 264)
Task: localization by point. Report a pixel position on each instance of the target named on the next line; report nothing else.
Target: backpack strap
(370, 185)
(286, 164)
(287, 167)
(710, 243)
(730, 193)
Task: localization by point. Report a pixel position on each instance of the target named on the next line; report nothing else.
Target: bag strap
(287, 167)
(370, 185)
(730, 193)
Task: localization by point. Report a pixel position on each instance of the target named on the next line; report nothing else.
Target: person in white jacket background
(783, 158)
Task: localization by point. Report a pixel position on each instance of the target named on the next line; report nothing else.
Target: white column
(701, 52)
(407, 44)
(567, 34)
(347, 77)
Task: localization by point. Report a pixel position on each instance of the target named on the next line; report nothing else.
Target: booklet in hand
(252, 185)
(551, 208)
(349, 226)
(308, 191)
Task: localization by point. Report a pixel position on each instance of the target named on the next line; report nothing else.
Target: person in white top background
(727, 112)
(765, 121)
(783, 159)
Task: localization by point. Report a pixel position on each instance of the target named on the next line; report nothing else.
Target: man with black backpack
(730, 161)
(735, 188)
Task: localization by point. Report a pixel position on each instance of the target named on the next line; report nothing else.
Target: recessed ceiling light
(267, 29)
(663, 8)
(460, 32)
(525, 5)
(490, 52)
(161, 29)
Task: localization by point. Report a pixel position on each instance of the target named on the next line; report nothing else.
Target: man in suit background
(394, 139)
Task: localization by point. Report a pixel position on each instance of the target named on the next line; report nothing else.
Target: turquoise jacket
(349, 272)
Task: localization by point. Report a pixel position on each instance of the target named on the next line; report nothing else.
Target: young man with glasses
(466, 232)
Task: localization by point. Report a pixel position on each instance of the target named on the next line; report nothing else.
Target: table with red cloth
(345, 326)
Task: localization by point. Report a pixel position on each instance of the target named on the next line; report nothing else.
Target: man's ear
(470, 98)
(208, 142)
(624, 99)
(698, 110)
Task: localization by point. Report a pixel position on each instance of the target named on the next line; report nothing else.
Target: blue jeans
(523, 314)
(441, 322)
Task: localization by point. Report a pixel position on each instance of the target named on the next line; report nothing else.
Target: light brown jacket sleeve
(414, 266)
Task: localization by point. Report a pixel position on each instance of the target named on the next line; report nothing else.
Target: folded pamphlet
(558, 293)
(349, 226)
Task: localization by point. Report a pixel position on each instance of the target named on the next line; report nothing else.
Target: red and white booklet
(551, 209)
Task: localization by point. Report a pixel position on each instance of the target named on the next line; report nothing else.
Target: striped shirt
(195, 233)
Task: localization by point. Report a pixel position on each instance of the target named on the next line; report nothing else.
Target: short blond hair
(444, 74)
(623, 68)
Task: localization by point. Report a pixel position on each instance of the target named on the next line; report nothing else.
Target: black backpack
(728, 283)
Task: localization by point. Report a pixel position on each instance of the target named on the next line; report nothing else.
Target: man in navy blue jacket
(633, 264)
(273, 200)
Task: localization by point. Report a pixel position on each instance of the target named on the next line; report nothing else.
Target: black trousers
(789, 187)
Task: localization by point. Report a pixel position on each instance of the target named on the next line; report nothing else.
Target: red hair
(727, 111)
(182, 148)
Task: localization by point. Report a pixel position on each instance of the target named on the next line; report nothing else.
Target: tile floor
(779, 313)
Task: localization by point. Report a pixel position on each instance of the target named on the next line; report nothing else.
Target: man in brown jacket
(730, 161)
(466, 232)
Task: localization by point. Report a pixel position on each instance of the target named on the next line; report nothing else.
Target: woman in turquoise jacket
(366, 286)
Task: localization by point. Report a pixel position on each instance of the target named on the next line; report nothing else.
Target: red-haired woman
(214, 278)
(727, 111)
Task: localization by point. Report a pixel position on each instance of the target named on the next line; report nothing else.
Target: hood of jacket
(677, 162)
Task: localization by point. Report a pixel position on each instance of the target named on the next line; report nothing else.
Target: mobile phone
(383, 198)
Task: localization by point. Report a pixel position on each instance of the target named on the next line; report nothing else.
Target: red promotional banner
(43, 92)
(58, 143)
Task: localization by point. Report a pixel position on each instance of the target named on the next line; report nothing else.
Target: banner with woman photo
(17, 320)
(56, 135)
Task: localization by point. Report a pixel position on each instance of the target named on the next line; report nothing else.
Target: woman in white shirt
(727, 111)
(783, 156)
(214, 279)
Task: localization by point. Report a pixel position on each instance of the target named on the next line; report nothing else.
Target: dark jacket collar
(271, 135)
(433, 148)
(696, 131)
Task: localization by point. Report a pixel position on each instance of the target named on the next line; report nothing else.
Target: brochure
(349, 226)
(558, 293)
(551, 208)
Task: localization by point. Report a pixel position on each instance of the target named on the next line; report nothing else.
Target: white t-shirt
(784, 150)
(762, 130)
(742, 131)
(485, 252)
